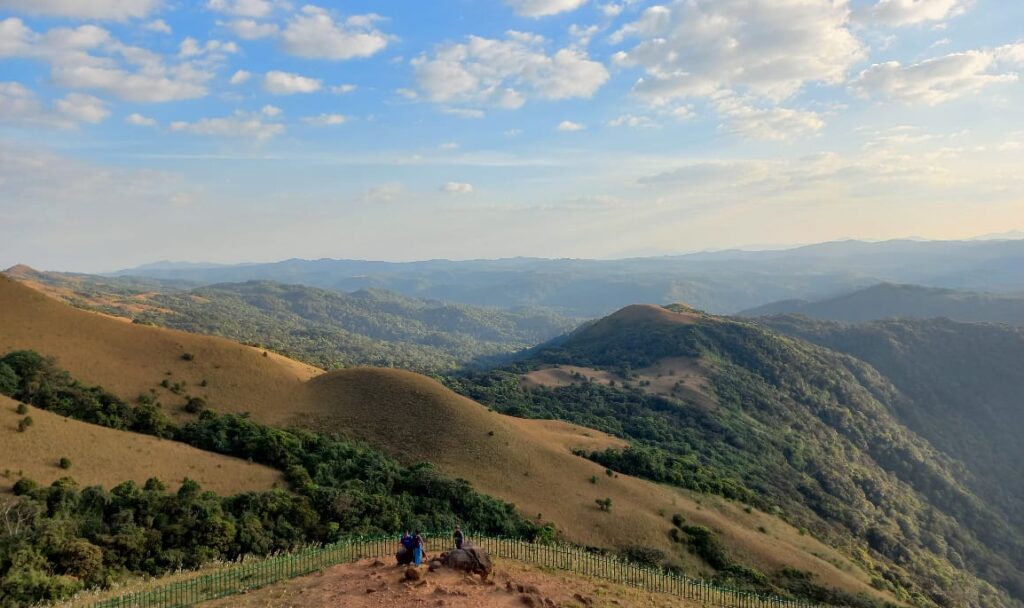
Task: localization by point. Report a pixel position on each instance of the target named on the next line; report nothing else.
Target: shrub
(605, 504)
(21, 409)
(24, 423)
(64, 462)
(195, 405)
(24, 486)
(648, 556)
(187, 356)
(9, 380)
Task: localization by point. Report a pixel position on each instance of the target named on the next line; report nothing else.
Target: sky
(257, 130)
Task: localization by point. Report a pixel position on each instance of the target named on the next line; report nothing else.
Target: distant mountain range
(325, 328)
(890, 301)
(722, 282)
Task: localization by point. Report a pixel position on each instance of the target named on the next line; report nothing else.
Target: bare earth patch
(676, 377)
(370, 583)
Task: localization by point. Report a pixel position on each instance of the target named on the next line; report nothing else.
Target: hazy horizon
(226, 130)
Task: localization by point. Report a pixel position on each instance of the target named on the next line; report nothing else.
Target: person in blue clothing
(417, 548)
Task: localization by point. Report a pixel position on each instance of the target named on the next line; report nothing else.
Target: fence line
(247, 576)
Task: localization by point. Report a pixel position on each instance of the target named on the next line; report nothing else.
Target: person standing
(417, 548)
(459, 538)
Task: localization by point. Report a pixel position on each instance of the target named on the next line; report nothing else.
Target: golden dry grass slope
(526, 462)
(106, 457)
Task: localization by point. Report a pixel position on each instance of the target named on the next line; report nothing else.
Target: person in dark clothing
(459, 538)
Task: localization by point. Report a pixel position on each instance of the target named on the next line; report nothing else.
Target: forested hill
(731, 407)
(891, 301)
(961, 386)
(325, 328)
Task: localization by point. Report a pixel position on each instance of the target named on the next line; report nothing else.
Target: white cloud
(269, 110)
(343, 89)
(543, 8)
(457, 188)
(326, 120)
(215, 49)
(938, 79)
(241, 8)
(88, 57)
(407, 93)
(910, 12)
(767, 47)
(462, 112)
(449, 145)
(284, 83)
(568, 125)
(314, 33)
(19, 105)
(250, 29)
(634, 122)
(503, 73)
(83, 108)
(140, 121)
(383, 193)
(240, 77)
(158, 25)
(240, 124)
(774, 123)
(117, 10)
(611, 9)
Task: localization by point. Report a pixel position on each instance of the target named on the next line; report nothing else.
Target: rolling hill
(729, 407)
(890, 301)
(721, 282)
(326, 328)
(107, 457)
(527, 462)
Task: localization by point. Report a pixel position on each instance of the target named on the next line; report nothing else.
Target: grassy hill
(960, 386)
(414, 418)
(327, 328)
(890, 301)
(788, 426)
(107, 457)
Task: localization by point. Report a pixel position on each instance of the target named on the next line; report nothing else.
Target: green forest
(796, 430)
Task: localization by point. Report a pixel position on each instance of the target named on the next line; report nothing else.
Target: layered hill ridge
(526, 462)
(814, 432)
(327, 328)
(890, 300)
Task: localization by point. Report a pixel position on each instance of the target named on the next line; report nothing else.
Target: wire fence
(246, 576)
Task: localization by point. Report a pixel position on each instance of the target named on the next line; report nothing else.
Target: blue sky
(242, 130)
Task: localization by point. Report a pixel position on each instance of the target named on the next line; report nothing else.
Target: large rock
(469, 559)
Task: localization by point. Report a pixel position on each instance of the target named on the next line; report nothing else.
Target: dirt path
(372, 583)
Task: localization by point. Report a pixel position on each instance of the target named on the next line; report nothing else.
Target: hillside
(960, 386)
(527, 462)
(890, 301)
(326, 328)
(786, 425)
(721, 282)
(107, 457)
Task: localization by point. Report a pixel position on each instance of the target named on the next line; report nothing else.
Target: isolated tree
(605, 504)
(64, 462)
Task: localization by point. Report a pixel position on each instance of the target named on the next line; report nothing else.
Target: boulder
(469, 559)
